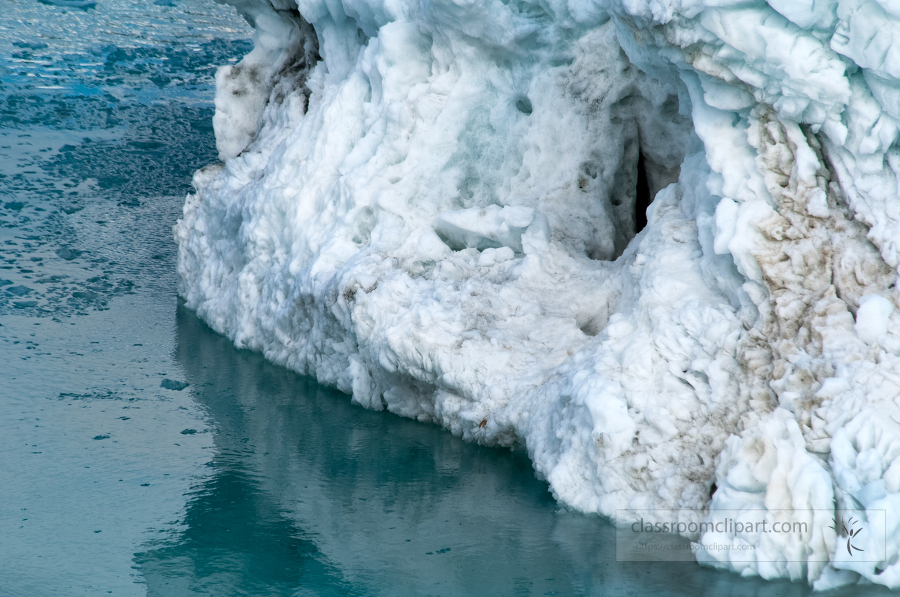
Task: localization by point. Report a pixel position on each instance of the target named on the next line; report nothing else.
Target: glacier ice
(440, 207)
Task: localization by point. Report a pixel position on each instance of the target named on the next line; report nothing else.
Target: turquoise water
(143, 454)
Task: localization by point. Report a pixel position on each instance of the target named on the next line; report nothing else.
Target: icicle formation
(439, 207)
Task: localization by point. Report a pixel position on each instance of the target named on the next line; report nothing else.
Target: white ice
(433, 205)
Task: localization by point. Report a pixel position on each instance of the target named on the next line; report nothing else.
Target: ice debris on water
(439, 208)
(19, 290)
(68, 253)
(171, 384)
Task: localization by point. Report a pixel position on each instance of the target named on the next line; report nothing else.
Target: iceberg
(655, 244)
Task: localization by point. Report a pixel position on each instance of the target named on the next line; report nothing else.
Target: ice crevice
(654, 244)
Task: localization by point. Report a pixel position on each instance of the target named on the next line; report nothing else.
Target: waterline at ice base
(655, 244)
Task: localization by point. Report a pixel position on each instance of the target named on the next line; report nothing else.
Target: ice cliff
(655, 242)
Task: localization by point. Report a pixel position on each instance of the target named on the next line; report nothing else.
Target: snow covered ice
(438, 207)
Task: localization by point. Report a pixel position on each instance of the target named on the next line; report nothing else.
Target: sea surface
(141, 453)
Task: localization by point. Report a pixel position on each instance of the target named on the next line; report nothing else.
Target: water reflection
(238, 542)
(311, 495)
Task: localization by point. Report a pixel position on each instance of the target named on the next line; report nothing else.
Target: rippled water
(143, 454)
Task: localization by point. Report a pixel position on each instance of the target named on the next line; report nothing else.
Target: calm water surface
(143, 454)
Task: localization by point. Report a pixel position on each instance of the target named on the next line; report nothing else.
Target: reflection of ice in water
(309, 491)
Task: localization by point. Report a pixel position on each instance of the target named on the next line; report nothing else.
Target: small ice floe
(171, 384)
(82, 4)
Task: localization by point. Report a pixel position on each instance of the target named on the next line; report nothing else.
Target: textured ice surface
(438, 207)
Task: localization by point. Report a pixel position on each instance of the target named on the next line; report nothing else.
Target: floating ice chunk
(872, 317)
(171, 384)
(622, 352)
(482, 228)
